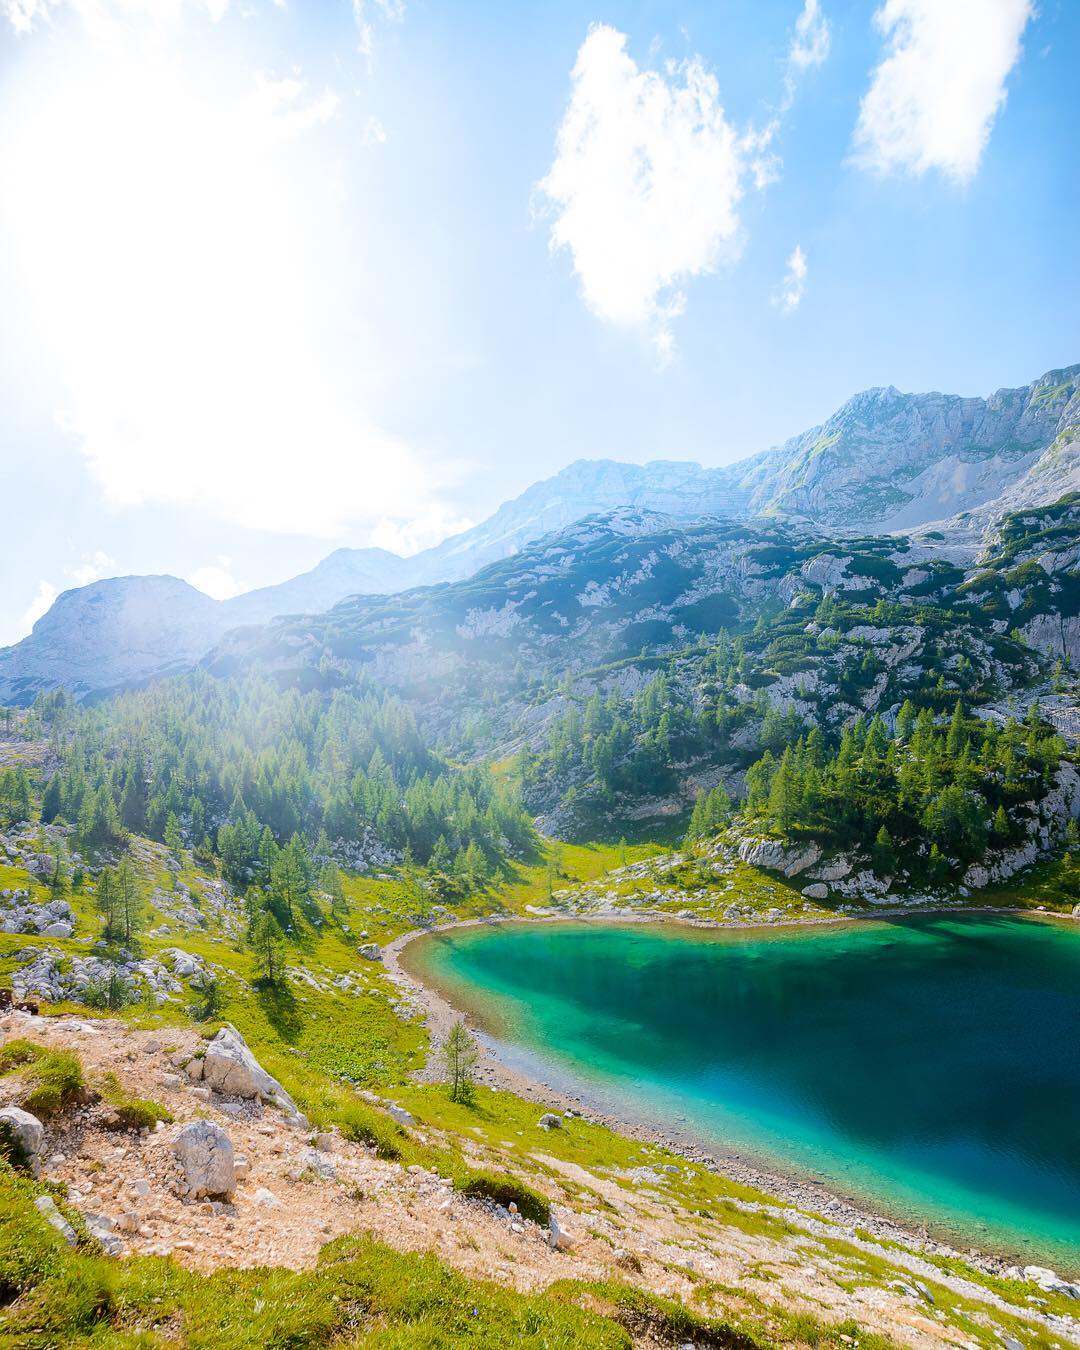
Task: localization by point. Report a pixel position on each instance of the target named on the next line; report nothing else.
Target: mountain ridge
(940, 465)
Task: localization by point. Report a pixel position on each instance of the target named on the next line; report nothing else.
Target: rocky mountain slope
(109, 635)
(890, 461)
(512, 660)
(884, 462)
(612, 587)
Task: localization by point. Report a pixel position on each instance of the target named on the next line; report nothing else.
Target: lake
(928, 1067)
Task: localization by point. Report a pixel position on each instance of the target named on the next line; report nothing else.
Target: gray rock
(205, 1154)
(399, 1114)
(24, 1133)
(47, 1205)
(229, 1067)
(817, 891)
(57, 930)
(559, 1238)
(550, 1121)
(100, 1227)
(1051, 1281)
(371, 951)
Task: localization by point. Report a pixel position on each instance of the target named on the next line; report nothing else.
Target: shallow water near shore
(927, 1067)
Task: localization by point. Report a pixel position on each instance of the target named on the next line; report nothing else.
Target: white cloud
(392, 11)
(217, 580)
(374, 131)
(41, 603)
(431, 527)
(22, 14)
(175, 242)
(812, 40)
(933, 99)
(790, 294)
(646, 181)
(93, 567)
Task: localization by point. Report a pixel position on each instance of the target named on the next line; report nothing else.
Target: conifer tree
(268, 945)
(460, 1055)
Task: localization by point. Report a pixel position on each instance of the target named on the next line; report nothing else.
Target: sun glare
(174, 241)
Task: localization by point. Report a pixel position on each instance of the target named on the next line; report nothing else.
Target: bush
(112, 992)
(55, 1077)
(58, 1082)
(364, 1125)
(128, 1112)
(16, 1053)
(504, 1188)
(30, 1251)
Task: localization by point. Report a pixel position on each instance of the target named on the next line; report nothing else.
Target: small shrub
(57, 1079)
(504, 1188)
(54, 1077)
(128, 1112)
(112, 992)
(17, 1053)
(363, 1125)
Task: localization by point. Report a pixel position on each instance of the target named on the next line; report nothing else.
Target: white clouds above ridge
(933, 99)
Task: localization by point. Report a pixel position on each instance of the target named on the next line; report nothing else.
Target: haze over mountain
(885, 461)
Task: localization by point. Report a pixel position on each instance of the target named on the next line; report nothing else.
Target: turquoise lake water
(929, 1067)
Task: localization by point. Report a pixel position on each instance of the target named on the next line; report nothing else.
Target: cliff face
(888, 461)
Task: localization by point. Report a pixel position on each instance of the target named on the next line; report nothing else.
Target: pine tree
(129, 900)
(268, 945)
(957, 737)
(133, 799)
(330, 882)
(460, 1055)
(105, 900)
(884, 854)
(290, 879)
(172, 838)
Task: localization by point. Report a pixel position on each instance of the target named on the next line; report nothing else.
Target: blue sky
(281, 277)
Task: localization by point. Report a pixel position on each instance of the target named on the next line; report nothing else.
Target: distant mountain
(888, 461)
(884, 462)
(112, 634)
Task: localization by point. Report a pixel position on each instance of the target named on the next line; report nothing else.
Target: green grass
(505, 1190)
(361, 1294)
(364, 1124)
(323, 1043)
(52, 1079)
(128, 1112)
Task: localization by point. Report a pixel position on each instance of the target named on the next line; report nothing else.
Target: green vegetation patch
(505, 1190)
(53, 1078)
(127, 1112)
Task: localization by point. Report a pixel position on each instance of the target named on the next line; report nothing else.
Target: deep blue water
(929, 1067)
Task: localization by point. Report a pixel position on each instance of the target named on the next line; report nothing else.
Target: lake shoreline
(811, 1196)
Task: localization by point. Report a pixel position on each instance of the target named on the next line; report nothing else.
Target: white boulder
(229, 1067)
(205, 1154)
(47, 1205)
(559, 1238)
(24, 1134)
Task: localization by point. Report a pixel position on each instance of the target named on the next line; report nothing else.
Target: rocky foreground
(234, 1176)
